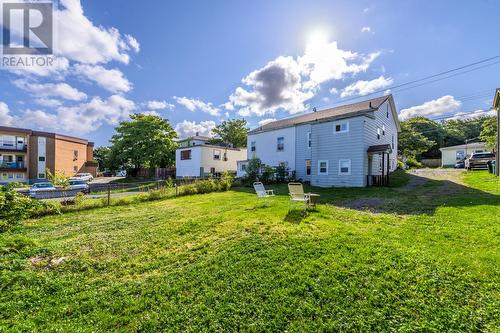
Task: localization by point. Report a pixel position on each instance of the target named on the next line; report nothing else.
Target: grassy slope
(222, 261)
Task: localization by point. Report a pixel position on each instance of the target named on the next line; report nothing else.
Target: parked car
(107, 173)
(80, 185)
(83, 176)
(41, 187)
(121, 173)
(460, 164)
(479, 161)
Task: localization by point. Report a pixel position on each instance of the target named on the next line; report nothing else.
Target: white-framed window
(252, 146)
(308, 167)
(41, 176)
(309, 140)
(323, 167)
(460, 155)
(393, 141)
(11, 176)
(341, 127)
(216, 154)
(185, 155)
(20, 176)
(280, 144)
(383, 129)
(243, 167)
(344, 167)
(378, 133)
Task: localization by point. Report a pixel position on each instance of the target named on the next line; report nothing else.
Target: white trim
(342, 122)
(340, 167)
(319, 167)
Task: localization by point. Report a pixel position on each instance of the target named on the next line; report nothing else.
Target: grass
(422, 257)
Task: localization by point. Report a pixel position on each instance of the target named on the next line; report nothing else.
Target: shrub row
(15, 207)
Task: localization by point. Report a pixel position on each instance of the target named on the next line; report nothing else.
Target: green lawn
(422, 257)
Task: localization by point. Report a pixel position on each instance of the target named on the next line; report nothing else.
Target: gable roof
(496, 99)
(339, 112)
(196, 137)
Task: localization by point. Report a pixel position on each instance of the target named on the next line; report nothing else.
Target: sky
(198, 63)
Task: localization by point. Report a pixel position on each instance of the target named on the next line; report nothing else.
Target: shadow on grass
(296, 216)
(416, 195)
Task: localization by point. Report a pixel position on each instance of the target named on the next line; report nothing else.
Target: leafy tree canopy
(489, 132)
(144, 141)
(232, 132)
(411, 142)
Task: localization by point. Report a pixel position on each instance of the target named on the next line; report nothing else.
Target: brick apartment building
(26, 155)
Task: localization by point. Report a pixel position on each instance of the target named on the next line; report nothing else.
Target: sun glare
(317, 37)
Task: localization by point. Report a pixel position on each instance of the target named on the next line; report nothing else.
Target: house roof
(211, 146)
(344, 111)
(496, 100)
(196, 137)
(45, 134)
(380, 149)
(469, 145)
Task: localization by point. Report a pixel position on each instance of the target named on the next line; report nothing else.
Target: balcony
(12, 166)
(13, 147)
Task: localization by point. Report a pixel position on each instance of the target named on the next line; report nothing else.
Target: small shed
(451, 155)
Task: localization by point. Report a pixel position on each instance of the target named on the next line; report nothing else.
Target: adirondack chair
(261, 191)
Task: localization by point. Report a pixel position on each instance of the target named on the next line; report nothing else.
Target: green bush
(15, 207)
(253, 170)
(267, 175)
(413, 163)
(401, 165)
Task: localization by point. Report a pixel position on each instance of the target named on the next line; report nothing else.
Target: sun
(317, 36)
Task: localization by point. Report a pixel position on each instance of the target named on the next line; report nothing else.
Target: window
(393, 141)
(309, 140)
(212, 171)
(308, 167)
(281, 144)
(216, 154)
(185, 154)
(383, 129)
(19, 176)
(252, 146)
(342, 127)
(75, 154)
(387, 113)
(75, 168)
(11, 176)
(378, 133)
(41, 176)
(344, 167)
(243, 167)
(322, 167)
(460, 155)
(41, 159)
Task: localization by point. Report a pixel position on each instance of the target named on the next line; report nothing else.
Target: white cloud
(48, 102)
(366, 10)
(57, 70)
(366, 87)
(473, 115)
(366, 29)
(134, 44)
(159, 105)
(6, 118)
(151, 113)
(62, 90)
(437, 107)
(334, 91)
(276, 85)
(109, 79)
(193, 105)
(78, 39)
(82, 118)
(266, 121)
(325, 61)
(288, 83)
(190, 128)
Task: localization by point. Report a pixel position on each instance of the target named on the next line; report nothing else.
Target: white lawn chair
(261, 191)
(296, 192)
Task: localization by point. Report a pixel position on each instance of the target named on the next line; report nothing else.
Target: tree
(103, 157)
(430, 129)
(232, 132)
(147, 141)
(489, 132)
(412, 143)
(459, 130)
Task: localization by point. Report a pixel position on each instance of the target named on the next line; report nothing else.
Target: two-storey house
(353, 145)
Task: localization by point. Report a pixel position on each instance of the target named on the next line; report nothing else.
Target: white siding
(303, 152)
(379, 121)
(333, 147)
(188, 168)
(266, 147)
(42, 152)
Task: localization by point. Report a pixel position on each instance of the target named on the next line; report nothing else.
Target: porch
(378, 155)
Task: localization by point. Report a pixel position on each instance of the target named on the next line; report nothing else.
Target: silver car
(79, 185)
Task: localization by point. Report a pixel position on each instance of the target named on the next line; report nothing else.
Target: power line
(429, 77)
